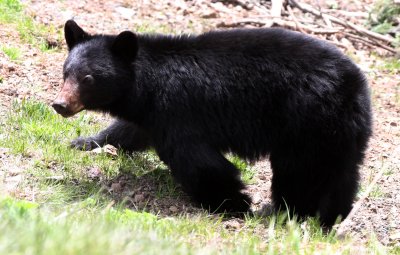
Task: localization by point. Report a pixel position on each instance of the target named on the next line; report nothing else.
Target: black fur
(252, 92)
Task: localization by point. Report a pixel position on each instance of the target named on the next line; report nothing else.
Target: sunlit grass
(31, 32)
(13, 53)
(93, 227)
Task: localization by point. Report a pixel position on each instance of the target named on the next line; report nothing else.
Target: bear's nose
(60, 107)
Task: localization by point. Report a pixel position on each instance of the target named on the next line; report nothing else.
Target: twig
(242, 22)
(339, 44)
(295, 19)
(287, 24)
(279, 22)
(369, 42)
(353, 38)
(350, 14)
(244, 4)
(361, 30)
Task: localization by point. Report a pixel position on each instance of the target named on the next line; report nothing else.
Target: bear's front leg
(121, 134)
(207, 176)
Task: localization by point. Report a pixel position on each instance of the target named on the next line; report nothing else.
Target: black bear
(251, 92)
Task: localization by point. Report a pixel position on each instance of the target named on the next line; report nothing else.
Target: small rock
(11, 183)
(395, 236)
(94, 172)
(138, 198)
(173, 209)
(233, 224)
(107, 149)
(125, 12)
(116, 187)
(67, 15)
(262, 177)
(257, 198)
(238, 8)
(209, 15)
(11, 68)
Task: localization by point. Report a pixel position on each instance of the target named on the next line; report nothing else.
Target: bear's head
(97, 72)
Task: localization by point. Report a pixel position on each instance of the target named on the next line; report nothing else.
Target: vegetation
(12, 52)
(384, 18)
(31, 32)
(91, 227)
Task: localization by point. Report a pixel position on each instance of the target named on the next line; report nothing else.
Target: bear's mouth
(66, 110)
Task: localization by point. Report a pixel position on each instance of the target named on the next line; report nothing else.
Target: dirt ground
(39, 76)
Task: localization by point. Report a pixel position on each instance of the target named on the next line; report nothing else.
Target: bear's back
(245, 83)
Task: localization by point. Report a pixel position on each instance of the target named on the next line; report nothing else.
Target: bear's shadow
(147, 186)
(153, 190)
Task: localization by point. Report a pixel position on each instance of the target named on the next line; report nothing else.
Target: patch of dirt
(38, 75)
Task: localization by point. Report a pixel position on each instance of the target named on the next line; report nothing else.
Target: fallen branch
(281, 23)
(298, 26)
(287, 24)
(369, 42)
(288, 20)
(358, 29)
(242, 22)
(350, 14)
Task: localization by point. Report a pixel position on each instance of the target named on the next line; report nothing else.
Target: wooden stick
(298, 26)
(350, 14)
(361, 30)
(370, 42)
(279, 22)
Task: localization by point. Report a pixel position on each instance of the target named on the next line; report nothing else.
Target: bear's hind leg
(207, 176)
(339, 195)
(314, 186)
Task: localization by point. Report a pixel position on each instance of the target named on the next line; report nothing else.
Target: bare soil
(38, 76)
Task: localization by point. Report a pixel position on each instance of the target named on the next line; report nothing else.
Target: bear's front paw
(84, 143)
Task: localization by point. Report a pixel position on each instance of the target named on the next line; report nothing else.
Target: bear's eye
(88, 79)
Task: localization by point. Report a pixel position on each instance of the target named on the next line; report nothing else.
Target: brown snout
(60, 107)
(68, 102)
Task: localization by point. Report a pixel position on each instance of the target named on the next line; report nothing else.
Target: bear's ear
(73, 34)
(125, 46)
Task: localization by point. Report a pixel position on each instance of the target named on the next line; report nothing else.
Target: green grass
(34, 131)
(31, 32)
(392, 65)
(13, 53)
(383, 16)
(247, 172)
(90, 227)
(376, 192)
(73, 214)
(9, 10)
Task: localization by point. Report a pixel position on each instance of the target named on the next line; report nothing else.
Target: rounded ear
(73, 34)
(125, 45)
